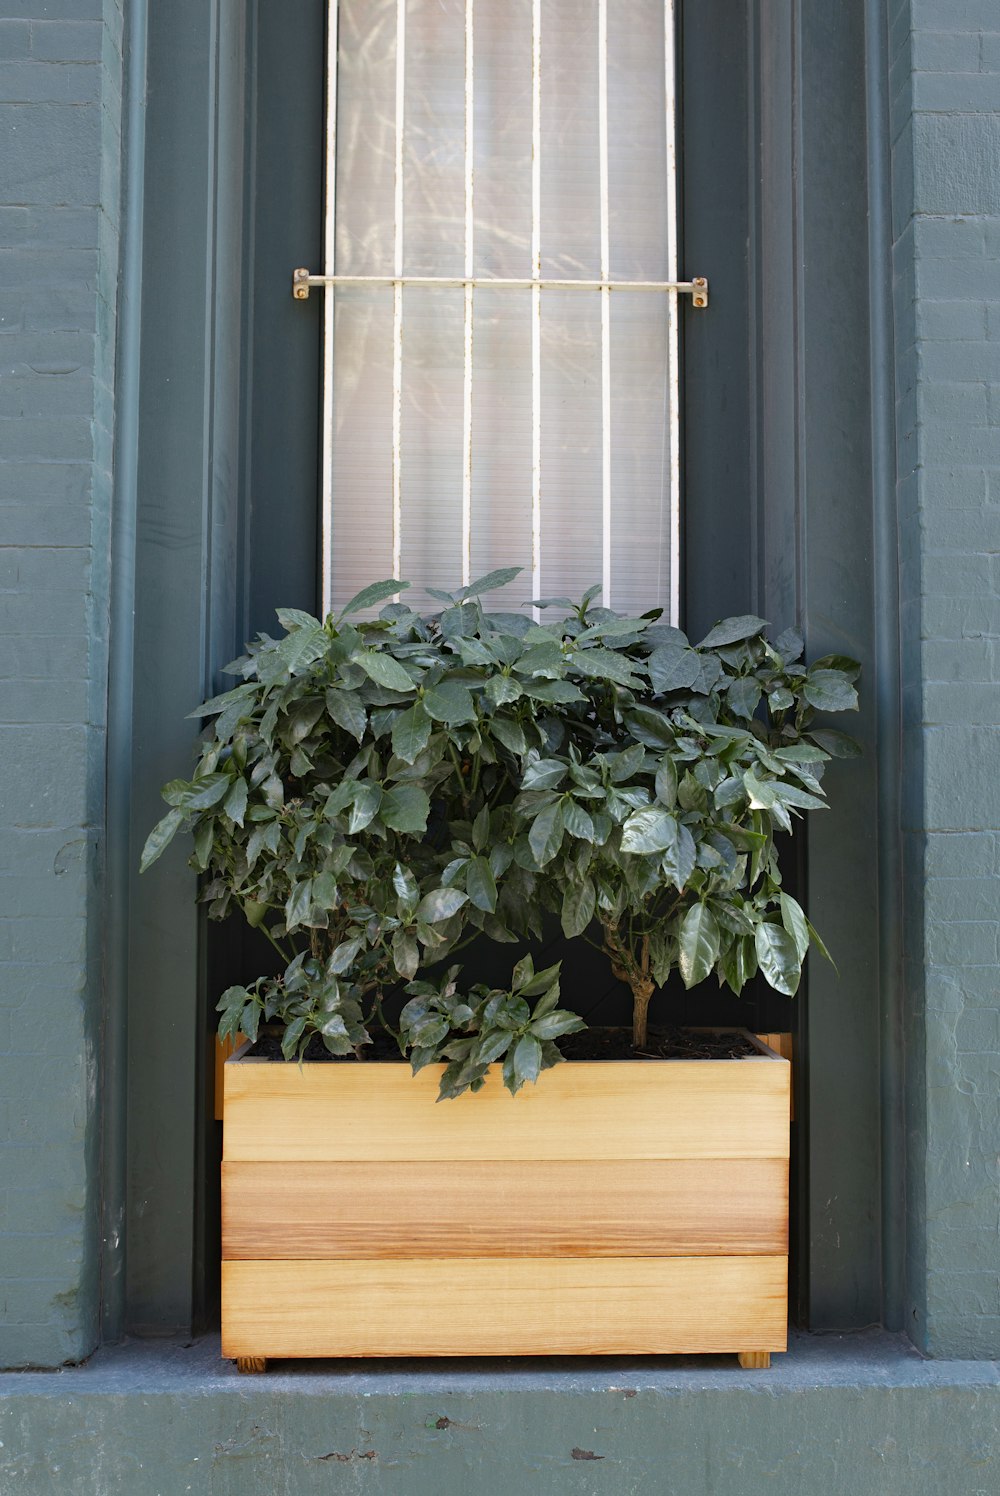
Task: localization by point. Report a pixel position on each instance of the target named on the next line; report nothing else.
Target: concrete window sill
(838, 1413)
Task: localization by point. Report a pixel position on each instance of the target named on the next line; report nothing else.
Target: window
(500, 349)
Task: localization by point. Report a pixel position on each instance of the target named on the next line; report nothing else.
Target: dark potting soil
(590, 1044)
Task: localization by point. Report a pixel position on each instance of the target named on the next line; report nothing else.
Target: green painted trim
(839, 606)
(187, 522)
(120, 872)
(887, 663)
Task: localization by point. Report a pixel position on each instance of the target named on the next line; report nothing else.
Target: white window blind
(525, 414)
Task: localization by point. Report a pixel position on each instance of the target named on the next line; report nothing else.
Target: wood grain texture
(783, 1045)
(504, 1306)
(223, 1049)
(755, 1360)
(580, 1110)
(623, 1208)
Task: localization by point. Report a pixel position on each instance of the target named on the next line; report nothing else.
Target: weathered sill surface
(838, 1413)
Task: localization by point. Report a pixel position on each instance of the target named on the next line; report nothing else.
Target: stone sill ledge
(868, 1358)
(839, 1415)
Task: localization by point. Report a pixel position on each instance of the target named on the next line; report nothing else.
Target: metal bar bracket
(303, 281)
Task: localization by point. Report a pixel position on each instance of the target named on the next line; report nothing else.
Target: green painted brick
(57, 159)
(45, 524)
(970, 92)
(55, 656)
(978, 1030)
(945, 51)
(958, 15)
(947, 702)
(15, 39)
(960, 660)
(68, 437)
(948, 899)
(47, 778)
(961, 776)
(54, 10)
(48, 82)
(67, 40)
(952, 320)
(42, 396)
(954, 163)
(45, 938)
(70, 227)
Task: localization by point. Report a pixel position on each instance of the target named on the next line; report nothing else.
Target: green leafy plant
(471, 1032)
(657, 815)
(377, 792)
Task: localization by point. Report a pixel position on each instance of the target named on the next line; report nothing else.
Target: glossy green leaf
(364, 806)
(543, 774)
(344, 955)
(405, 808)
(440, 904)
(650, 727)
(577, 820)
(605, 664)
(778, 958)
(652, 830)
(578, 907)
(160, 838)
(672, 667)
(481, 885)
(836, 744)
(503, 689)
(666, 782)
(554, 1025)
(235, 803)
(405, 885)
(384, 671)
(411, 732)
(197, 794)
(733, 631)
(347, 711)
(405, 953)
(527, 1059)
(368, 597)
(829, 691)
(744, 696)
(699, 944)
(491, 581)
(795, 923)
(546, 833)
(450, 702)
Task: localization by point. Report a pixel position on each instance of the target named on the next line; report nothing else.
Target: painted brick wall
(60, 131)
(946, 191)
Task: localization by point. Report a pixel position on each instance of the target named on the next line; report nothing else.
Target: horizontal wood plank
(601, 1110)
(504, 1306)
(620, 1208)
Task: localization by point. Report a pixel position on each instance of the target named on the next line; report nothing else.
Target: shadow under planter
(618, 1207)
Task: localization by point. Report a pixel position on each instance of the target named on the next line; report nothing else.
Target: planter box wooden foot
(615, 1208)
(755, 1360)
(251, 1365)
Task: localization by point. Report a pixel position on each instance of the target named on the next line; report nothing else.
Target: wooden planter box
(614, 1208)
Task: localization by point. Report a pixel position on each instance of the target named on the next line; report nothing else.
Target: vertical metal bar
(329, 306)
(470, 102)
(673, 378)
(536, 300)
(602, 125)
(397, 292)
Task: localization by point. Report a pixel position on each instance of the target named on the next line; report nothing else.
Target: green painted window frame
(225, 386)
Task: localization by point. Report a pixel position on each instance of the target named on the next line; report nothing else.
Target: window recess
(500, 350)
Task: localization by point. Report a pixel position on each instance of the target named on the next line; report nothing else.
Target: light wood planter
(615, 1208)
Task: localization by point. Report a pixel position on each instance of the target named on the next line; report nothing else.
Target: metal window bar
(697, 288)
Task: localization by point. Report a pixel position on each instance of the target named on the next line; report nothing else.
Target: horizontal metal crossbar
(302, 281)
